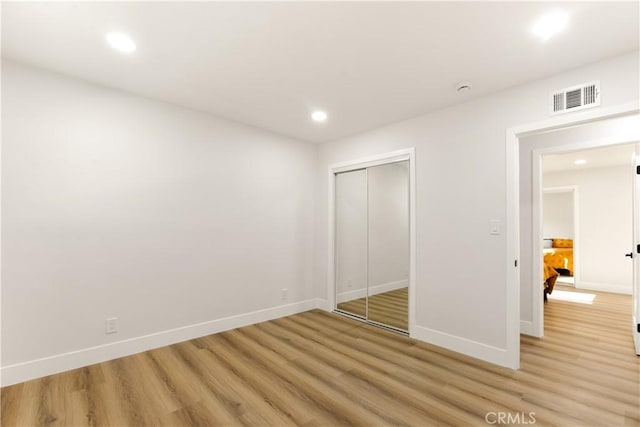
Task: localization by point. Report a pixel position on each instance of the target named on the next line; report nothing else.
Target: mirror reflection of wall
(372, 243)
(388, 204)
(351, 241)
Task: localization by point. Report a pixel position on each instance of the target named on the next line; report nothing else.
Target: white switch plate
(495, 228)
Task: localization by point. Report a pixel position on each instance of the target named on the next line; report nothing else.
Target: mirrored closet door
(372, 243)
(351, 242)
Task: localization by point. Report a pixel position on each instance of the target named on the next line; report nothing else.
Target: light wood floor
(317, 368)
(389, 308)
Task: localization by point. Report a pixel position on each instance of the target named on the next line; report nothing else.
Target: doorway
(597, 141)
(598, 225)
(525, 205)
(372, 254)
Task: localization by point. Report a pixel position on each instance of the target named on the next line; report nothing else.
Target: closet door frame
(375, 160)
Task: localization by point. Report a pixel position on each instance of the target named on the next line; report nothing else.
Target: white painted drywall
(557, 216)
(97, 183)
(118, 206)
(460, 172)
(626, 128)
(604, 207)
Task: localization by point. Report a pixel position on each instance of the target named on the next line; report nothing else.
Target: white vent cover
(574, 98)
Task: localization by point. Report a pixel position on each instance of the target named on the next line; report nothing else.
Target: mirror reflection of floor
(356, 306)
(389, 308)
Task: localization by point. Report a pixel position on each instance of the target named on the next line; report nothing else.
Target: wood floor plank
(322, 369)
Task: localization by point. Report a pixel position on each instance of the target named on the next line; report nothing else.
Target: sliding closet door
(351, 242)
(388, 244)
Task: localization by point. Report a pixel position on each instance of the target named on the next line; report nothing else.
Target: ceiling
(617, 155)
(269, 64)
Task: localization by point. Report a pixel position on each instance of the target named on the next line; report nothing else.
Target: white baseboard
(465, 346)
(604, 287)
(378, 289)
(488, 353)
(323, 304)
(526, 328)
(32, 369)
(350, 295)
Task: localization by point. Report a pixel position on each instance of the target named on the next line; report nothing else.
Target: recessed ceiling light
(550, 24)
(121, 42)
(580, 162)
(319, 116)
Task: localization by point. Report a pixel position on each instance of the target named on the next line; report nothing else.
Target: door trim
(365, 162)
(635, 286)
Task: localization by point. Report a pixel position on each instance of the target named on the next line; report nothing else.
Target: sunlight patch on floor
(578, 297)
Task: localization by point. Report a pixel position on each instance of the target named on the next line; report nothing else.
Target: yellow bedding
(559, 258)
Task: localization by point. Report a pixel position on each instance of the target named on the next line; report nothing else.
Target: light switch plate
(495, 228)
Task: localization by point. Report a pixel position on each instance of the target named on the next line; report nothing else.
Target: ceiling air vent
(574, 98)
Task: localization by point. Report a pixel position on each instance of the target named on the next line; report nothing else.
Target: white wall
(557, 215)
(605, 225)
(621, 128)
(460, 165)
(118, 206)
(97, 183)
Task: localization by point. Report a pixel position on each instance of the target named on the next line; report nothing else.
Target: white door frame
(375, 160)
(636, 253)
(513, 135)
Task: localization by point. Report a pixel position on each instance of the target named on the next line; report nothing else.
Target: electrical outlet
(111, 325)
(349, 283)
(283, 295)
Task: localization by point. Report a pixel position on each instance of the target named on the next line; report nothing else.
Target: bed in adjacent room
(558, 254)
(550, 277)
